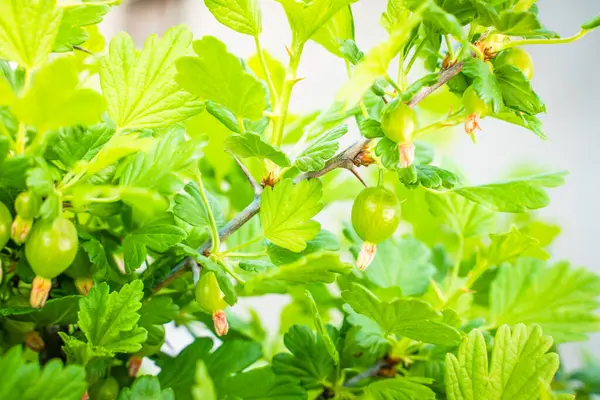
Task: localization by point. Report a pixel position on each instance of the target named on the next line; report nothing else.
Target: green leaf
(224, 115)
(155, 168)
(324, 241)
(28, 381)
(255, 265)
(338, 29)
(231, 357)
(286, 213)
(242, 16)
(192, 210)
(428, 176)
(350, 51)
(272, 386)
(110, 320)
(322, 330)
(74, 144)
(412, 318)
(519, 23)
(399, 388)
(139, 87)
(146, 388)
(178, 373)
(375, 64)
(159, 310)
(519, 363)
(117, 148)
(27, 30)
(561, 299)
(515, 196)
(403, 263)
(443, 20)
(74, 18)
(225, 362)
(97, 255)
(82, 353)
(395, 15)
(320, 150)
(55, 101)
(309, 360)
(506, 246)
(253, 145)
(370, 128)
(525, 120)
(217, 75)
(307, 18)
(134, 253)
(158, 234)
(204, 388)
(592, 23)
(462, 216)
(59, 311)
(13, 172)
(316, 267)
(486, 85)
(517, 92)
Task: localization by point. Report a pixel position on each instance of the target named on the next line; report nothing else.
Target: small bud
(220, 321)
(471, 125)
(40, 290)
(84, 285)
(366, 255)
(34, 341)
(271, 179)
(85, 396)
(365, 157)
(20, 229)
(134, 365)
(407, 154)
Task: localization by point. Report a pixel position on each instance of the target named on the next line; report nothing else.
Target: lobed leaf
(514, 196)
(242, 16)
(28, 29)
(139, 87)
(286, 213)
(109, 320)
(217, 75)
(559, 298)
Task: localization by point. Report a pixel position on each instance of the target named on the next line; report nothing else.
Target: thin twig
(257, 188)
(445, 76)
(367, 373)
(345, 159)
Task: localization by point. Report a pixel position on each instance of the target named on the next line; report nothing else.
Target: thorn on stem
(354, 170)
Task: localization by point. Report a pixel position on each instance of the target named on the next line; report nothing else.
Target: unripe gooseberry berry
(5, 225)
(28, 205)
(399, 122)
(50, 249)
(375, 217)
(473, 103)
(516, 57)
(210, 299)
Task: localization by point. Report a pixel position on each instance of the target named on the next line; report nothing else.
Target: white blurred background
(566, 78)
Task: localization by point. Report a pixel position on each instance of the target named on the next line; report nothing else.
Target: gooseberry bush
(166, 185)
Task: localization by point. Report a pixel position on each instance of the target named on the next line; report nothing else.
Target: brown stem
(370, 372)
(255, 186)
(345, 159)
